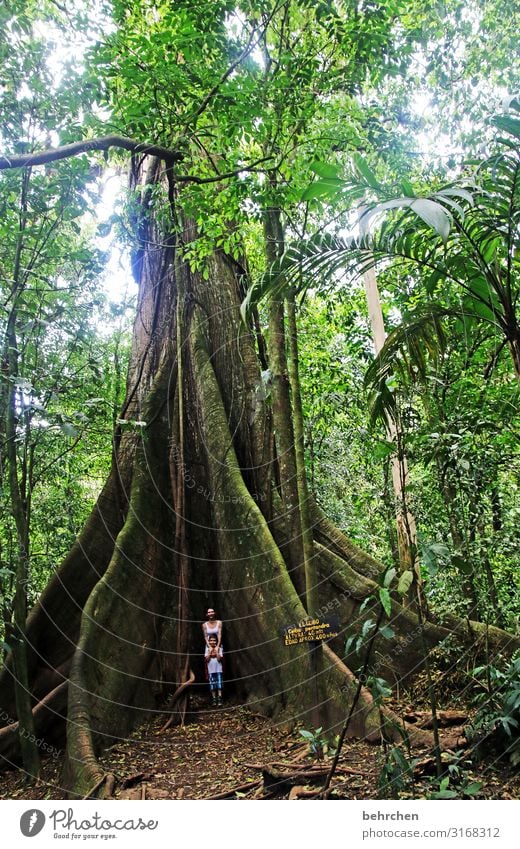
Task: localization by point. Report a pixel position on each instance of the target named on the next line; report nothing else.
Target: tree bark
(282, 409)
(19, 491)
(311, 573)
(405, 520)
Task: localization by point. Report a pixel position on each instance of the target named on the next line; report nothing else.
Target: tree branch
(103, 143)
(170, 157)
(251, 168)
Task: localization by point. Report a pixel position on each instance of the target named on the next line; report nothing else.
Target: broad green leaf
(325, 170)
(389, 577)
(474, 307)
(405, 582)
(439, 549)
(508, 124)
(473, 788)
(383, 449)
(307, 734)
(367, 627)
(445, 794)
(483, 290)
(454, 192)
(386, 601)
(322, 189)
(433, 214)
(349, 644)
(366, 172)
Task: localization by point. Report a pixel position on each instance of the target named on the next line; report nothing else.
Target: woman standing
(212, 627)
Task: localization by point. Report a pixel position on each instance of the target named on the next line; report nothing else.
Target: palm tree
(466, 234)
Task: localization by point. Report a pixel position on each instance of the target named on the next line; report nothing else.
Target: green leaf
(473, 788)
(367, 627)
(383, 449)
(366, 172)
(433, 214)
(439, 549)
(474, 307)
(445, 794)
(400, 760)
(324, 170)
(386, 601)
(407, 188)
(507, 124)
(389, 576)
(405, 582)
(322, 189)
(349, 644)
(307, 734)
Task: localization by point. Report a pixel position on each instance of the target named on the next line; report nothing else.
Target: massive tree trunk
(108, 622)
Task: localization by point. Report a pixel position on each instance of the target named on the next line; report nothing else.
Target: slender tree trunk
(406, 527)
(479, 527)
(389, 513)
(19, 506)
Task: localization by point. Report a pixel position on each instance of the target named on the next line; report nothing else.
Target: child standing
(213, 656)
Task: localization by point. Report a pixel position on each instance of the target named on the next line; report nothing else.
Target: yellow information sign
(311, 631)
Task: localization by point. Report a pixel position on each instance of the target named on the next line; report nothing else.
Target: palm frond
(419, 340)
(466, 234)
(408, 352)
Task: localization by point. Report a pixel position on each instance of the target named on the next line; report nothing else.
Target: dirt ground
(231, 753)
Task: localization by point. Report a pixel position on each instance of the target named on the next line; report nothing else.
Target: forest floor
(232, 753)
